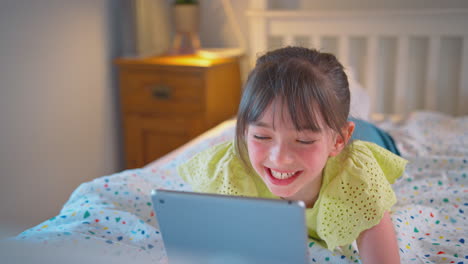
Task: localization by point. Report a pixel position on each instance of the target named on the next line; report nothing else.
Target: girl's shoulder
(362, 159)
(218, 169)
(356, 191)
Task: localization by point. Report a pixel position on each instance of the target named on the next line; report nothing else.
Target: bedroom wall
(58, 112)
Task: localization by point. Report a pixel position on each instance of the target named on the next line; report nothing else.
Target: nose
(281, 154)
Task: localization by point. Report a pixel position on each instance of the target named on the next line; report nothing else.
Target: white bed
(112, 216)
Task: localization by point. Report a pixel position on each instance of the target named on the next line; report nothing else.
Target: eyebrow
(267, 125)
(261, 124)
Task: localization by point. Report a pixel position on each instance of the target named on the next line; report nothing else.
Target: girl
(291, 143)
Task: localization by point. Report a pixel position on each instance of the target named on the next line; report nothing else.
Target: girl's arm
(378, 244)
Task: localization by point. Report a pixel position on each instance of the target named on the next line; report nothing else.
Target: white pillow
(360, 99)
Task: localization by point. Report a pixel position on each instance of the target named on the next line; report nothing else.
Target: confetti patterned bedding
(113, 216)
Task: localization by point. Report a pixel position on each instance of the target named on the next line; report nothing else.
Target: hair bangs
(266, 91)
(302, 95)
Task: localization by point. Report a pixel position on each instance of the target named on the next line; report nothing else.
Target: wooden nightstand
(166, 101)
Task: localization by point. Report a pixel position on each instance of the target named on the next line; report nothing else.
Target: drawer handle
(161, 91)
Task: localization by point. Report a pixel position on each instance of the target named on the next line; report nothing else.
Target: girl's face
(290, 162)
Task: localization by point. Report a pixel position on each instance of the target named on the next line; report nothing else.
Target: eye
(306, 142)
(260, 137)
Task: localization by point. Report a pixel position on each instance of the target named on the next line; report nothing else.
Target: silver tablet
(210, 228)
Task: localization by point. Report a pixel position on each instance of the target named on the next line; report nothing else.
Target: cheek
(257, 152)
(313, 156)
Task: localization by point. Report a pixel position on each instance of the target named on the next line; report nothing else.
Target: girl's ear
(340, 142)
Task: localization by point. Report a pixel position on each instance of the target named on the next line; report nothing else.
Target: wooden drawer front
(162, 92)
(148, 138)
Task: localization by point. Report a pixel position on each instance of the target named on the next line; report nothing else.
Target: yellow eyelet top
(356, 187)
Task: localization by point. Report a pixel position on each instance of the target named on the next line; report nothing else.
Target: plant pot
(186, 18)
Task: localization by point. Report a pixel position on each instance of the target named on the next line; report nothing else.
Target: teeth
(282, 176)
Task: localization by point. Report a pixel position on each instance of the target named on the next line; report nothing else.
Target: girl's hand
(378, 244)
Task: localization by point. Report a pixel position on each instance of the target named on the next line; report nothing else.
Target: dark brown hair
(308, 82)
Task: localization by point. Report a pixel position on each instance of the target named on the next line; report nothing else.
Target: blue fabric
(369, 132)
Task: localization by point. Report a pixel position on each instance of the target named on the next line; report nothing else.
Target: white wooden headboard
(406, 59)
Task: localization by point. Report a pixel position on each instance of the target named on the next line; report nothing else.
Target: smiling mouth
(282, 178)
(282, 175)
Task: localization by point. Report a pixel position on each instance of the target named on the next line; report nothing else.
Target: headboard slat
(315, 41)
(371, 71)
(288, 40)
(400, 101)
(258, 31)
(463, 84)
(343, 49)
(432, 73)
